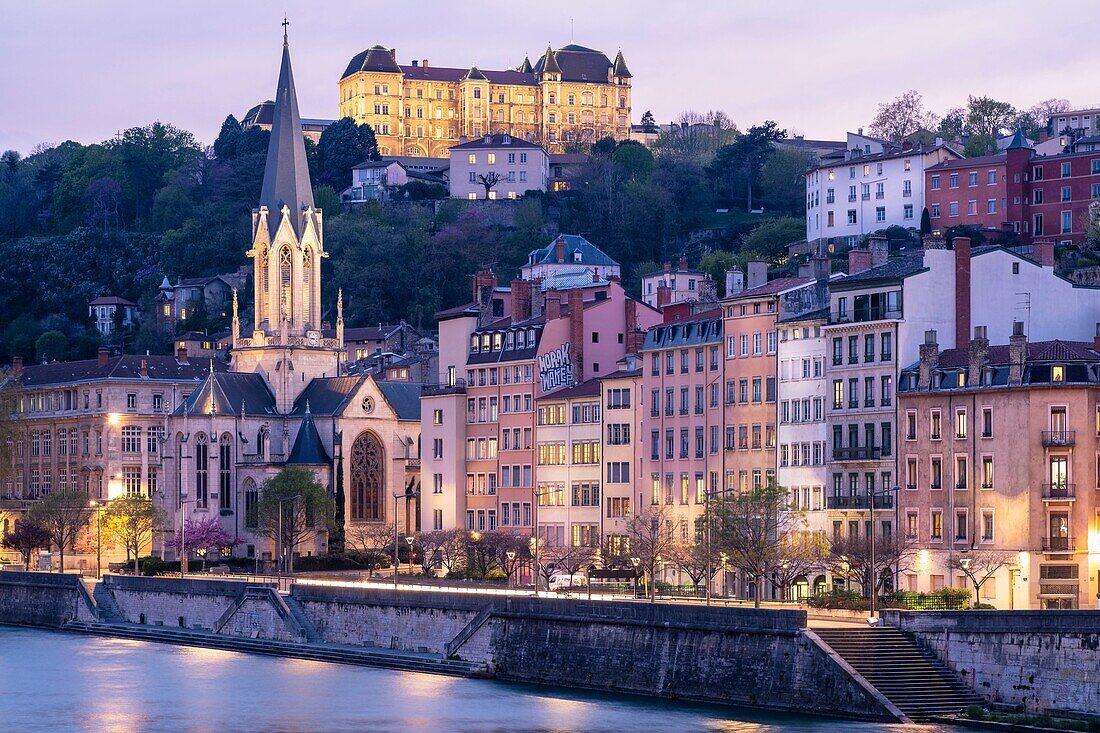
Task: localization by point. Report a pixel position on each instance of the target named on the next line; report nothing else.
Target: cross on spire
(285, 24)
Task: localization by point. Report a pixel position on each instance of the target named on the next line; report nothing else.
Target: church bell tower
(287, 345)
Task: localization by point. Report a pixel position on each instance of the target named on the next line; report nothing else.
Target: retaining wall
(43, 599)
(1041, 660)
(201, 604)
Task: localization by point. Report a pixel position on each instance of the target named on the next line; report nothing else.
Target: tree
(604, 147)
(481, 554)
(294, 503)
(756, 529)
(202, 537)
(509, 551)
(488, 180)
(327, 200)
(342, 146)
(770, 239)
(897, 119)
(716, 265)
(433, 547)
(952, 124)
(851, 557)
(64, 513)
(652, 541)
(987, 117)
(26, 538)
(371, 543)
(130, 520)
(51, 346)
(649, 125)
(228, 140)
(980, 564)
(800, 552)
(696, 559)
(783, 182)
(1037, 117)
(746, 156)
(452, 550)
(925, 223)
(633, 160)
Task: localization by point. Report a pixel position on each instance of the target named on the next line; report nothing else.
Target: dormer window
(1057, 373)
(577, 256)
(473, 344)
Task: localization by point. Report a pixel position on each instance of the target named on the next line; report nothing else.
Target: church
(287, 398)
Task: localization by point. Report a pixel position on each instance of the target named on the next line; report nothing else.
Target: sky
(85, 69)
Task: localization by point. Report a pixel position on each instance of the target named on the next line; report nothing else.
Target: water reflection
(52, 681)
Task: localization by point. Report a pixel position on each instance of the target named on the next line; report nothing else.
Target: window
(987, 472)
(987, 422)
(934, 425)
(987, 525)
(937, 525)
(935, 466)
(960, 423)
(131, 439)
(935, 183)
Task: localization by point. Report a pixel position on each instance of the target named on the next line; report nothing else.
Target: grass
(975, 712)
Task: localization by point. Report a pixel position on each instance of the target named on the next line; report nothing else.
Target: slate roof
(525, 67)
(894, 269)
(699, 329)
(308, 450)
(111, 300)
(590, 253)
(1080, 360)
(128, 366)
(622, 373)
(230, 393)
(838, 159)
(1054, 351)
(326, 396)
(286, 173)
(576, 63)
(582, 277)
(495, 141)
(404, 398)
(375, 58)
(262, 114)
(468, 309)
(771, 287)
(474, 75)
(591, 388)
(821, 314)
(620, 66)
(978, 162)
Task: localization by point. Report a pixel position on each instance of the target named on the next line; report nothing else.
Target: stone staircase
(107, 609)
(912, 679)
(405, 661)
(303, 619)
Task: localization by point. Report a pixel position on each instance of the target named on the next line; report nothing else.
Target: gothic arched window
(251, 504)
(225, 472)
(202, 468)
(368, 479)
(284, 280)
(307, 276)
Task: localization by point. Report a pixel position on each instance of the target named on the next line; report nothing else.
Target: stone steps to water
(303, 619)
(387, 659)
(912, 679)
(106, 607)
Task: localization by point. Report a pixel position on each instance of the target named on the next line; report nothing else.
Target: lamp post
(408, 494)
(707, 519)
(409, 540)
(183, 535)
(635, 561)
(872, 495)
(511, 555)
(98, 537)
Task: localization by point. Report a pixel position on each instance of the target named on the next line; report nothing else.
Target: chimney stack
(559, 249)
(424, 63)
(929, 360)
(634, 336)
(576, 332)
(664, 295)
(143, 372)
(668, 267)
(758, 274)
(485, 283)
(880, 250)
(17, 361)
(859, 259)
(103, 355)
(1017, 354)
(1043, 252)
(521, 300)
(962, 290)
(683, 263)
(181, 355)
(979, 349)
(735, 281)
(553, 305)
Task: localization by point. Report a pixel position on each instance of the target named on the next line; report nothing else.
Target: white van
(563, 581)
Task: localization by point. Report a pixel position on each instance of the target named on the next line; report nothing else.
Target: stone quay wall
(43, 599)
(1044, 661)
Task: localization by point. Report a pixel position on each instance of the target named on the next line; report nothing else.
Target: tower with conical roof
(287, 345)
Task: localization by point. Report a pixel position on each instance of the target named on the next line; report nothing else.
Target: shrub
(842, 599)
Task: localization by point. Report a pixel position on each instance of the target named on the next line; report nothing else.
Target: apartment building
(622, 452)
(680, 284)
(1000, 454)
(497, 167)
(873, 184)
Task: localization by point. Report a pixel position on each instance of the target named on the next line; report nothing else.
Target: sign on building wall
(556, 369)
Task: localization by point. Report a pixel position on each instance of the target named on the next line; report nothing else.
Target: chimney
(929, 360)
(859, 259)
(880, 250)
(1043, 252)
(939, 141)
(576, 332)
(979, 350)
(415, 63)
(934, 241)
(962, 290)
(484, 284)
(668, 267)
(424, 63)
(735, 281)
(683, 263)
(553, 305)
(1095, 346)
(143, 372)
(559, 249)
(521, 300)
(860, 132)
(664, 295)
(635, 336)
(103, 354)
(758, 274)
(820, 268)
(1017, 354)
(181, 355)
(17, 361)
(805, 270)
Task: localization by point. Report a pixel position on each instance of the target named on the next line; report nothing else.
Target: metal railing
(1060, 490)
(1058, 438)
(864, 453)
(861, 501)
(1058, 544)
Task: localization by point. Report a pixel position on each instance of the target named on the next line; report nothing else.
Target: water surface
(53, 681)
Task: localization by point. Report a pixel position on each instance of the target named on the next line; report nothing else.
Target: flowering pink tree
(203, 536)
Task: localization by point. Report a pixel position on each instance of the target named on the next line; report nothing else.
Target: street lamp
(511, 555)
(183, 535)
(408, 494)
(409, 540)
(98, 537)
(871, 496)
(635, 561)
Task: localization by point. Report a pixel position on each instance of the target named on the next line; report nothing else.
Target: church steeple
(286, 173)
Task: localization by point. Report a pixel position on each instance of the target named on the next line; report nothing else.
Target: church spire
(286, 173)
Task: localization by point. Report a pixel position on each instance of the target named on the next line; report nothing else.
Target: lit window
(492, 158)
(471, 159)
(1058, 374)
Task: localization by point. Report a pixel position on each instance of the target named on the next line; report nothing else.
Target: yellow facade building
(572, 96)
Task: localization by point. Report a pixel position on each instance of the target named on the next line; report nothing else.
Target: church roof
(404, 398)
(308, 450)
(286, 172)
(230, 393)
(326, 396)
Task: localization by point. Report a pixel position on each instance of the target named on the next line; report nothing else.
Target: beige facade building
(999, 449)
(571, 96)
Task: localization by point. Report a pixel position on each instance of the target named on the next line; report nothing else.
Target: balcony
(852, 198)
(1058, 438)
(907, 193)
(861, 501)
(857, 454)
(1057, 544)
(459, 387)
(880, 195)
(1059, 492)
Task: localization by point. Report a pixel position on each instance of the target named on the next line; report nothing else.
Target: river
(53, 681)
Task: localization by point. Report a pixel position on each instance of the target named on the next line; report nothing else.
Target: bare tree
(901, 117)
(800, 554)
(652, 541)
(371, 543)
(1040, 112)
(980, 565)
(452, 550)
(696, 560)
(509, 551)
(488, 180)
(432, 545)
(25, 539)
(64, 514)
(851, 557)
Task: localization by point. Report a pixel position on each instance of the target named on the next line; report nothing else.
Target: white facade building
(517, 165)
(872, 185)
(681, 284)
